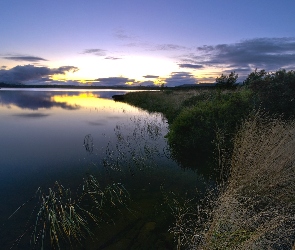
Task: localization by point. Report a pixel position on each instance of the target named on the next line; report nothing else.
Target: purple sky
(116, 42)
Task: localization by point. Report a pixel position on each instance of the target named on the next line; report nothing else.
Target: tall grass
(63, 220)
(257, 208)
(168, 102)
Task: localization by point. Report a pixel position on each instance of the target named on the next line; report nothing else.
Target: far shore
(120, 87)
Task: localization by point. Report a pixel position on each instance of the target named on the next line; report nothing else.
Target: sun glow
(87, 100)
(132, 67)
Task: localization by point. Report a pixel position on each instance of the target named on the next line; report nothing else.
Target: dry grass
(257, 209)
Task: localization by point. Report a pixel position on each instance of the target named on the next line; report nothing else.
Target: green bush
(274, 92)
(193, 131)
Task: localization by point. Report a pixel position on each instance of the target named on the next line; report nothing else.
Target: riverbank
(255, 157)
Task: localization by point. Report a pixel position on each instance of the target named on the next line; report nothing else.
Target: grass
(253, 209)
(168, 102)
(63, 220)
(256, 210)
(255, 206)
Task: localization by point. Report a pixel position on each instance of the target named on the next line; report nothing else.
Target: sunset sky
(115, 42)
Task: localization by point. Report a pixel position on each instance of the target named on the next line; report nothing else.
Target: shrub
(273, 92)
(227, 82)
(194, 129)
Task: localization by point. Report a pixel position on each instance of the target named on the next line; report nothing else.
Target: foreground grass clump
(63, 220)
(256, 210)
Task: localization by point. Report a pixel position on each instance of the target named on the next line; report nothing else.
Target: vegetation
(61, 219)
(227, 82)
(256, 210)
(253, 152)
(273, 92)
(255, 158)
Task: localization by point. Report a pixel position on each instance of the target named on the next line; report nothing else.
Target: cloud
(150, 76)
(97, 52)
(121, 34)
(190, 66)
(25, 58)
(244, 56)
(32, 115)
(169, 47)
(112, 58)
(180, 78)
(22, 74)
(112, 81)
(120, 81)
(145, 83)
(3, 67)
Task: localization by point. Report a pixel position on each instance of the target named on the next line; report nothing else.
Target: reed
(63, 220)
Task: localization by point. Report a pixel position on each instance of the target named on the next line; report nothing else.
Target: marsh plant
(63, 219)
(138, 145)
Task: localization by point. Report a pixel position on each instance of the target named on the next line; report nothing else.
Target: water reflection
(49, 136)
(32, 115)
(70, 100)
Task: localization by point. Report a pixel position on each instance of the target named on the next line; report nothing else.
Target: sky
(136, 42)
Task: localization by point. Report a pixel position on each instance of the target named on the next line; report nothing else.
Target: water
(65, 135)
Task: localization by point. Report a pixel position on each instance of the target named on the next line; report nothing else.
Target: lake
(65, 136)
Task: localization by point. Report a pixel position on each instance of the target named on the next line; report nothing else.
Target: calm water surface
(54, 135)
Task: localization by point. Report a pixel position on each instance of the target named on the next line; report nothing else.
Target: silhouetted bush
(227, 82)
(274, 92)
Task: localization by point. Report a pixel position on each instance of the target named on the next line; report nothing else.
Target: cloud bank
(23, 74)
(25, 58)
(180, 78)
(96, 52)
(112, 81)
(243, 57)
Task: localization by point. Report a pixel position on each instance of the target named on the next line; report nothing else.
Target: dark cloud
(190, 66)
(120, 81)
(112, 81)
(262, 53)
(32, 115)
(3, 67)
(22, 74)
(97, 52)
(145, 83)
(150, 76)
(180, 78)
(112, 58)
(25, 58)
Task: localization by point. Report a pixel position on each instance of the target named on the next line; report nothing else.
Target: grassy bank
(196, 118)
(256, 210)
(253, 152)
